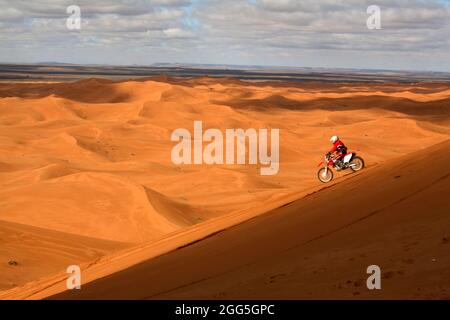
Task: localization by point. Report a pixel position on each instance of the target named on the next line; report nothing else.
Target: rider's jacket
(339, 147)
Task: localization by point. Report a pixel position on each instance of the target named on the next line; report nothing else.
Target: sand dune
(315, 247)
(91, 158)
(31, 247)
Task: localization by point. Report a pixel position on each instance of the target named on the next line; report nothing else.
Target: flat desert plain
(86, 178)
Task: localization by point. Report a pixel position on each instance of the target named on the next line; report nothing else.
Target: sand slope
(92, 158)
(394, 215)
(42, 252)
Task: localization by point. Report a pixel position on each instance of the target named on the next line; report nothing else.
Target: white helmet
(334, 139)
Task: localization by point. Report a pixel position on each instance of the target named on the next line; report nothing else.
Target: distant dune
(86, 174)
(51, 71)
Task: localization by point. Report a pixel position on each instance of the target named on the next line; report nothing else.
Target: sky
(414, 34)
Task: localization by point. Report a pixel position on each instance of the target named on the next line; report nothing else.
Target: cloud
(276, 32)
(301, 29)
(177, 33)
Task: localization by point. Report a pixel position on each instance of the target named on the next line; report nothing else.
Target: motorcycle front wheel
(356, 164)
(325, 176)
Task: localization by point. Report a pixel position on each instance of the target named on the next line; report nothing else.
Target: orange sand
(85, 172)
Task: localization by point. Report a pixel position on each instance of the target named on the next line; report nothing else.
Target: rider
(339, 148)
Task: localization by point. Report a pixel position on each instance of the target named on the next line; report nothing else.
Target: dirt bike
(348, 161)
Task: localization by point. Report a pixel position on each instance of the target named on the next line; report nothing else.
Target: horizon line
(243, 66)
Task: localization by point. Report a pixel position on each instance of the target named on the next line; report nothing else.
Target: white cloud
(276, 32)
(177, 33)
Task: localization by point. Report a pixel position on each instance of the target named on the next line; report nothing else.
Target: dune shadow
(91, 90)
(402, 105)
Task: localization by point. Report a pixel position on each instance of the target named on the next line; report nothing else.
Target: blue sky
(306, 33)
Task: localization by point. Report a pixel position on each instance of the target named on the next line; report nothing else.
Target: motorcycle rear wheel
(325, 177)
(356, 164)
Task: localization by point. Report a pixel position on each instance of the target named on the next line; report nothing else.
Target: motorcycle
(348, 161)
